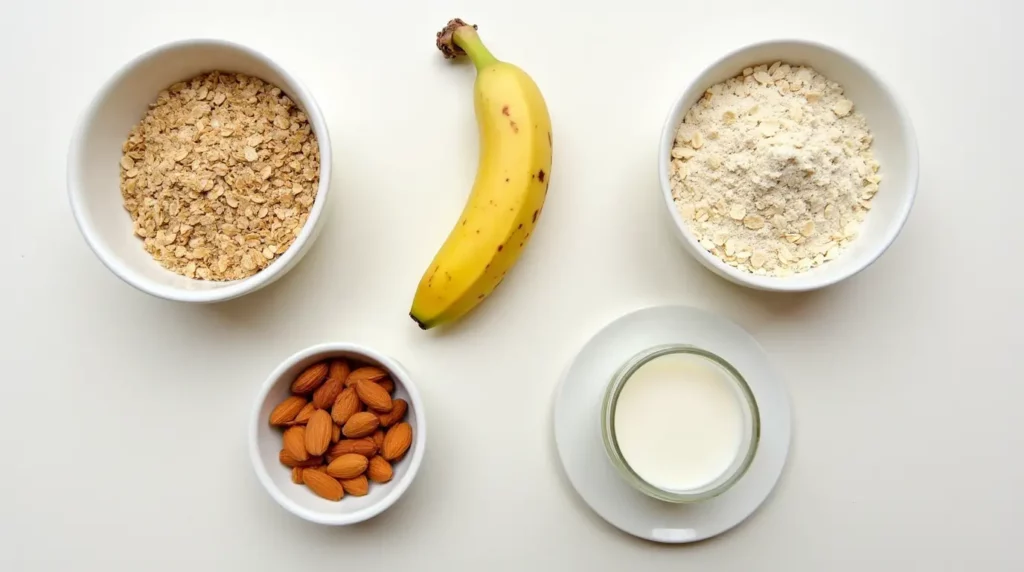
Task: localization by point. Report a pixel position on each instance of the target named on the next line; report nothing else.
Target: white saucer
(578, 424)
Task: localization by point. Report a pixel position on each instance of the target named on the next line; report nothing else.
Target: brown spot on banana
(504, 111)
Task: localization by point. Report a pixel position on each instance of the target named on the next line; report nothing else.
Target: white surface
(123, 418)
(265, 441)
(680, 421)
(894, 147)
(577, 420)
(95, 151)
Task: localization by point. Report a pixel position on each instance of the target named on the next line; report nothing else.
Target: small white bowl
(265, 441)
(93, 172)
(895, 148)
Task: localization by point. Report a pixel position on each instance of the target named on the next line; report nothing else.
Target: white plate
(578, 424)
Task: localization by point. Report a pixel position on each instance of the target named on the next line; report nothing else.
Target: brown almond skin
(286, 411)
(325, 395)
(378, 438)
(310, 378)
(360, 425)
(318, 432)
(338, 369)
(356, 487)
(303, 417)
(346, 405)
(297, 475)
(397, 441)
(374, 396)
(396, 414)
(387, 384)
(379, 470)
(288, 460)
(348, 466)
(335, 433)
(295, 442)
(365, 447)
(367, 373)
(323, 485)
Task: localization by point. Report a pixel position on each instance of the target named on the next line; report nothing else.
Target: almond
(325, 395)
(360, 425)
(400, 406)
(356, 487)
(318, 432)
(345, 406)
(373, 395)
(347, 466)
(387, 384)
(397, 441)
(323, 485)
(297, 475)
(378, 438)
(379, 470)
(335, 433)
(287, 410)
(310, 378)
(289, 460)
(367, 373)
(303, 417)
(338, 369)
(365, 447)
(295, 442)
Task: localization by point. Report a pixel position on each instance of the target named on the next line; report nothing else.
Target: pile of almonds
(342, 428)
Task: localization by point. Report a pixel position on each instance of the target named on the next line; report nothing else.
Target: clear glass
(739, 466)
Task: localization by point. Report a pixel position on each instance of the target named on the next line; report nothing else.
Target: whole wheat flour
(773, 171)
(220, 175)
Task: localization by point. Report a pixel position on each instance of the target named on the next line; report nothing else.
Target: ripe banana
(512, 178)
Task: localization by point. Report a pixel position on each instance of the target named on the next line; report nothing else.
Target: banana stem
(459, 38)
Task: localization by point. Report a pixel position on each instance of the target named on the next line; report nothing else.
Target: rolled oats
(220, 175)
(778, 170)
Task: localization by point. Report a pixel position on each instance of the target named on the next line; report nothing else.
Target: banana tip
(419, 323)
(445, 42)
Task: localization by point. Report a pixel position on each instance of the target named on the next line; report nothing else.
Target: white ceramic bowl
(265, 441)
(93, 172)
(895, 148)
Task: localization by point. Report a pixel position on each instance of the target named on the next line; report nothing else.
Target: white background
(123, 417)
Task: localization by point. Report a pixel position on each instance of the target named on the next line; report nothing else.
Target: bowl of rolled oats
(788, 166)
(200, 171)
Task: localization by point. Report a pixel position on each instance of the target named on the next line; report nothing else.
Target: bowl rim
(76, 191)
(799, 283)
(398, 486)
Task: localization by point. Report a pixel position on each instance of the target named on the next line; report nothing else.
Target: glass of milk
(680, 423)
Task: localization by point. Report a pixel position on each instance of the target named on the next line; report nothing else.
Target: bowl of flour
(788, 166)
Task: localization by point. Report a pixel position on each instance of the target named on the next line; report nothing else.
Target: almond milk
(680, 421)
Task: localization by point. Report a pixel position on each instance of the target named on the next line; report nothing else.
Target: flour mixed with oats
(220, 175)
(773, 170)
